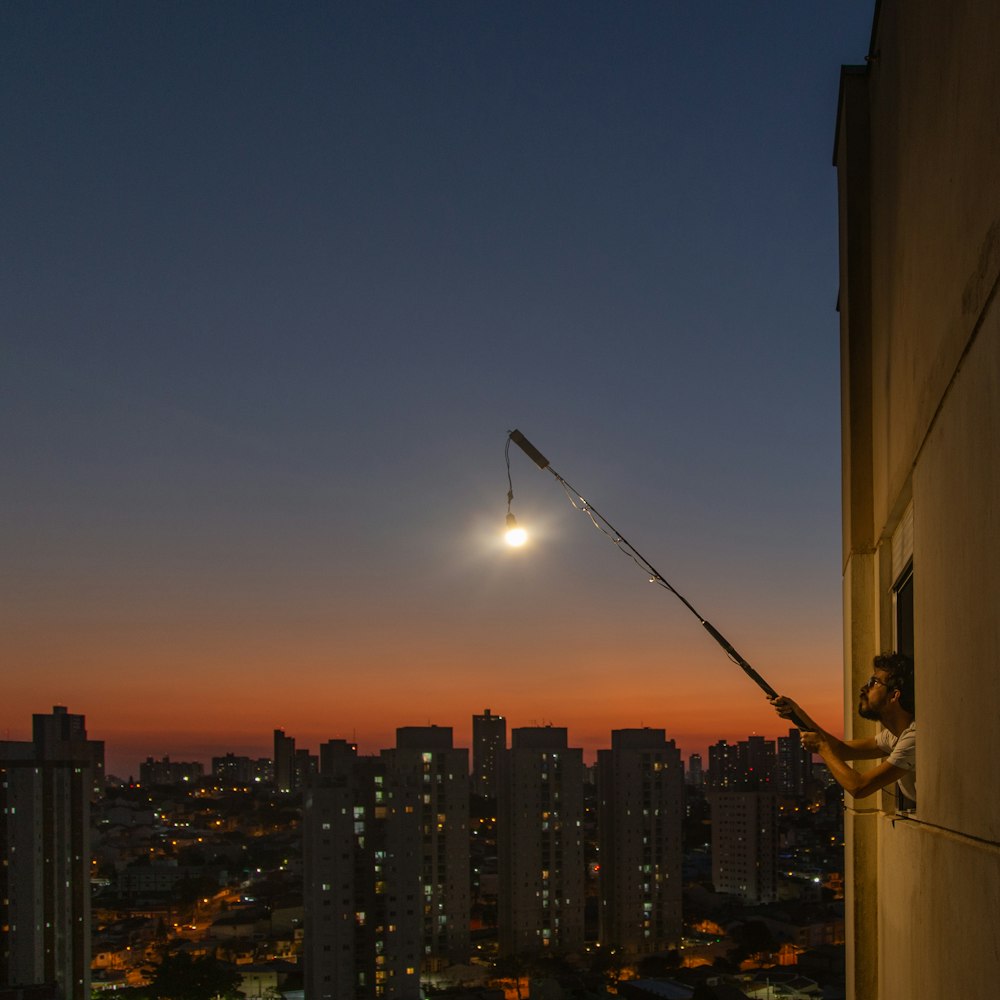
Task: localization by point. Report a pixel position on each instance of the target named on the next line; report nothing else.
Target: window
(902, 586)
(902, 604)
(902, 599)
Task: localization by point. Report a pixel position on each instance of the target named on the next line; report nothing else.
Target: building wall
(745, 844)
(45, 872)
(333, 895)
(425, 765)
(640, 814)
(918, 160)
(540, 844)
(363, 908)
(386, 852)
(793, 764)
(284, 761)
(489, 740)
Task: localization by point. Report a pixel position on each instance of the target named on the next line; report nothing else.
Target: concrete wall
(918, 159)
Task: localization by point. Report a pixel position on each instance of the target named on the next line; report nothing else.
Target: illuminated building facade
(45, 791)
(489, 740)
(640, 785)
(354, 948)
(723, 765)
(540, 844)
(233, 769)
(170, 772)
(433, 776)
(793, 766)
(745, 843)
(918, 161)
(749, 764)
(387, 866)
(741, 793)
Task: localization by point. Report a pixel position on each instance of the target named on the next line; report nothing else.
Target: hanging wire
(510, 484)
(582, 504)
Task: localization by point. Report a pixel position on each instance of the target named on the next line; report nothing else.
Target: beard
(866, 711)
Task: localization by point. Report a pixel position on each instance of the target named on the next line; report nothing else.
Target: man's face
(875, 695)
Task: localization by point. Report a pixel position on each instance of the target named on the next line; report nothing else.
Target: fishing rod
(600, 522)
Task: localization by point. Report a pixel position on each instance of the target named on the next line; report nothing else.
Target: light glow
(516, 537)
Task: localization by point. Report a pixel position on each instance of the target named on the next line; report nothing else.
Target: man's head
(891, 684)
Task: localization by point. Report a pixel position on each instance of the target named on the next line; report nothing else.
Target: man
(887, 697)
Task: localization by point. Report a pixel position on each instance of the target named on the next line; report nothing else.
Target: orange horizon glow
(219, 669)
(203, 710)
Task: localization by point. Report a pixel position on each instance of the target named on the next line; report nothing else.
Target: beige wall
(918, 159)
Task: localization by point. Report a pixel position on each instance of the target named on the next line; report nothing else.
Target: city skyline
(124, 765)
(280, 283)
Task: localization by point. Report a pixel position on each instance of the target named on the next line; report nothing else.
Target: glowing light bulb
(515, 536)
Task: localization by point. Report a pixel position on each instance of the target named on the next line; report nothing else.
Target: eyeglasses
(873, 680)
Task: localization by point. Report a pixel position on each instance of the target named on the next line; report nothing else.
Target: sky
(279, 278)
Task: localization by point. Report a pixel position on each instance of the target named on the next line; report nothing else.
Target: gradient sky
(278, 278)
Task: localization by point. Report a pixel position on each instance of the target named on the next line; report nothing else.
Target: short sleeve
(904, 753)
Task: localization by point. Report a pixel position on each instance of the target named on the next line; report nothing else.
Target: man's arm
(865, 749)
(855, 749)
(853, 782)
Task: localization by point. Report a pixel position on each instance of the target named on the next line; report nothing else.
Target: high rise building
(238, 770)
(541, 863)
(284, 761)
(744, 765)
(640, 783)
(793, 766)
(45, 791)
(489, 740)
(745, 843)
(51, 733)
(170, 772)
(305, 765)
(387, 866)
(757, 761)
(355, 946)
(740, 791)
(433, 776)
(695, 775)
(723, 765)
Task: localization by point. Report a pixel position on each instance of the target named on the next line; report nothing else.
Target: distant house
(245, 923)
(259, 982)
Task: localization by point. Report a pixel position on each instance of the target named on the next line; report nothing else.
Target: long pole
(602, 523)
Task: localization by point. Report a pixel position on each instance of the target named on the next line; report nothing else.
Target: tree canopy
(181, 977)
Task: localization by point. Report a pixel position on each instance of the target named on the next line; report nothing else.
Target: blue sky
(280, 277)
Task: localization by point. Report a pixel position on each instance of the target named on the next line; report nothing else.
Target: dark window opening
(902, 593)
(903, 599)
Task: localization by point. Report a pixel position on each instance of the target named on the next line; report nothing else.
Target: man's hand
(785, 707)
(813, 742)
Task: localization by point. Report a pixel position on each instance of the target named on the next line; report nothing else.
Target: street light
(606, 527)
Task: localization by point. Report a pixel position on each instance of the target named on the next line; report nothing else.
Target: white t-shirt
(901, 752)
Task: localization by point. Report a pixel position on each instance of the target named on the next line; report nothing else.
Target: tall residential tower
(540, 840)
(640, 785)
(45, 791)
(489, 740)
